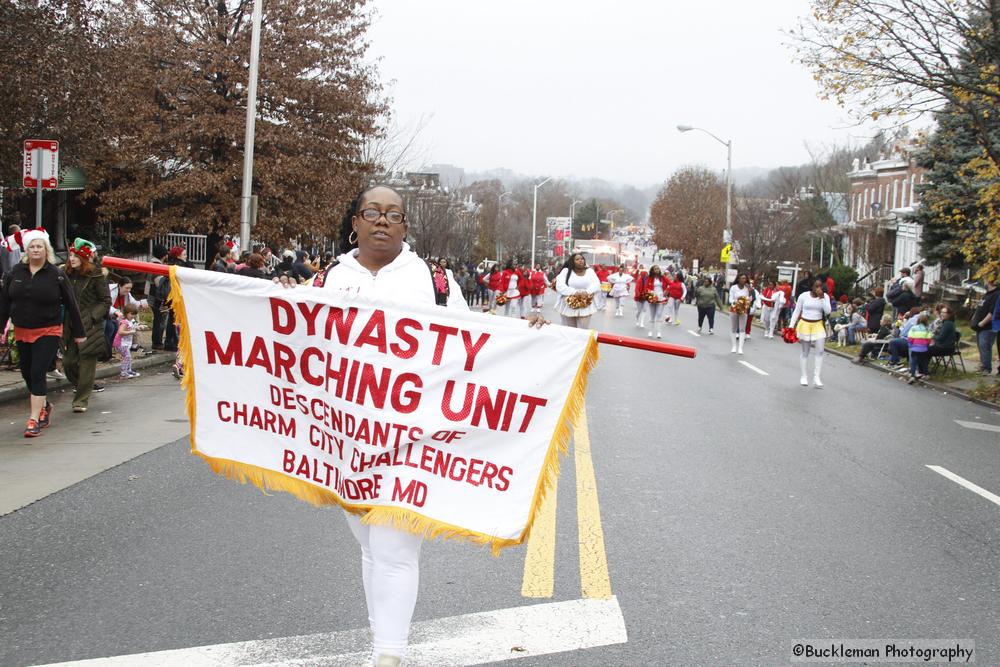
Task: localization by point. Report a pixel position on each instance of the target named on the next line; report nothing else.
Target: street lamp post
(534, 219)
(611, 217)
(499, 208)
(729, 186)
(245, 197)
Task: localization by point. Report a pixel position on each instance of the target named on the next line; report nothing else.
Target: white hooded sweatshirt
(407, 279)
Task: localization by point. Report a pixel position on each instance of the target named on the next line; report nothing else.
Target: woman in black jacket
(33, 297)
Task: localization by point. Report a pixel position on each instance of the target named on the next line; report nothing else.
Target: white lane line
(992, 497)
(694, 333)
(471, 639)
(754, 368)
(978, 427)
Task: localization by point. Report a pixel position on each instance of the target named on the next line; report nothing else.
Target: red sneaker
(44, 417)
(31, 429)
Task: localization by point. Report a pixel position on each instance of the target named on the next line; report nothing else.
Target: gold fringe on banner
(403, 519)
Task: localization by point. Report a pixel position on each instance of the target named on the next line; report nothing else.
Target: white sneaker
(388, 661)
(650, 334)
(658, 335)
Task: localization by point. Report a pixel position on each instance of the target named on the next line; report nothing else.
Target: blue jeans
(897, 348)
(985, 339)
(851, 338)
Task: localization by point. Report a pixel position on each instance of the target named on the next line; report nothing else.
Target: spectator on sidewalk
(857, 321)
(876, 307)
(90, 287)
(982, 325)
(918, 282)
(11, 249)
(919, 339)
(871, 347)
(945, 335)
(34, 298)
(126, 330)
(905, 299)
(254, 268)
(155, 298)
(900, 346)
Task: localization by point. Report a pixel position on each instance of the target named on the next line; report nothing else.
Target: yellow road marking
(540, 557)
(594, 579)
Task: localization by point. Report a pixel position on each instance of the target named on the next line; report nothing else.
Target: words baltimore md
(348, 380)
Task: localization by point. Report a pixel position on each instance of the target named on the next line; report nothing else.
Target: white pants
(390, 569)
(493, 299)
(620, 303)
(640, 308)
(674, 310)
(513, 305)
(600, 300)
(536, 301)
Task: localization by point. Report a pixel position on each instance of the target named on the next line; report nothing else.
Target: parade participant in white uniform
(657, 293)
(619, 289)
(640, 297)
(577, 286)
(809, 322)
(384, 269)
(772, 300)
(740, 303)
(511, 282)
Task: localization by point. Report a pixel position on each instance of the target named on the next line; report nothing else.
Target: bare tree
(766, 233)
(689, 214)
(901, 58)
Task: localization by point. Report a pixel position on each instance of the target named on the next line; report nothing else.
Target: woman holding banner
(383, 268)
(578, 287)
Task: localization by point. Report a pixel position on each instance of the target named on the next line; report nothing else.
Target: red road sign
(46, 153)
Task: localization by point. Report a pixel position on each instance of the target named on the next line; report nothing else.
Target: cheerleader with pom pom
(741, 298)
(657, 293)
(577, 286)
(512, 282)
(809, 325)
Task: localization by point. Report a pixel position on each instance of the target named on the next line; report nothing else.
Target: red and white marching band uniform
(601, 298)
(772, 301)
(677, 290)
(538, 283)
(512, 282)
(493, 286)
(659, 286)
(640, 298)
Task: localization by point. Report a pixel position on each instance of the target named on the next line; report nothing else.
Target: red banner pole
(603, 338)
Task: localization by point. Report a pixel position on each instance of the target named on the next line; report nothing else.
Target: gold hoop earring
(353, 237)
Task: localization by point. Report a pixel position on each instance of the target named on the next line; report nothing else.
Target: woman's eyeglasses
(373, 215)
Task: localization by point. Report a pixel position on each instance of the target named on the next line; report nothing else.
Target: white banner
(437, 420)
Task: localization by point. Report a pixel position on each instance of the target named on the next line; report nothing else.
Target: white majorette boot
(732, 337)
(742, 338)
(385, 660)
(804, 380)
(816, 371)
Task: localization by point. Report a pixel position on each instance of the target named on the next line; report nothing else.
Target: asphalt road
(740, 512)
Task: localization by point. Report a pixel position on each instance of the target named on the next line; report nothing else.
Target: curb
(943, 388)
(19, 391)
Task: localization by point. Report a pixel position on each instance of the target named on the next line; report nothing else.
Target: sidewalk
(12, 384)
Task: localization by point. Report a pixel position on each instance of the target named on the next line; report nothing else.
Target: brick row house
(880, 235)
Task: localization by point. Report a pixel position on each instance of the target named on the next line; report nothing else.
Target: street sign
(41, 159)
(726, 253)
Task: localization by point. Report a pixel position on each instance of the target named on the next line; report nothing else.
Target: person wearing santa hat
(34, 297)
(11, 249)
(90, 286)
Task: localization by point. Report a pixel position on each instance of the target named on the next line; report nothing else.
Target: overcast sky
(589, 88)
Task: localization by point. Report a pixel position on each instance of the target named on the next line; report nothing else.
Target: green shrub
(844, 278)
